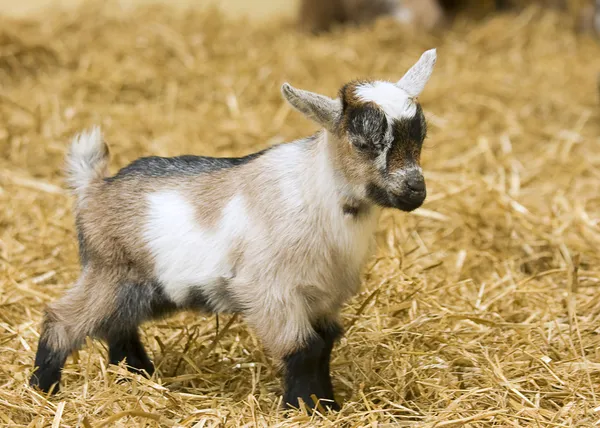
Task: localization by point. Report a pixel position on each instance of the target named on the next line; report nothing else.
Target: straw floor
(480, 309)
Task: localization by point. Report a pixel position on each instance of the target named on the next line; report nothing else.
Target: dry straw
(481, 309)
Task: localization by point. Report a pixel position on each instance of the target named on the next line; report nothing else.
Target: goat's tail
(87, 160)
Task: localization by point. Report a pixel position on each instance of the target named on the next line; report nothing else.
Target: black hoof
(47, 368)
(45, 382)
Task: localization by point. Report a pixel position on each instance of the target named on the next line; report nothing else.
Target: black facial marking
(126, 345)
(408, 136)
(378, 195)
(367, 126)
(307, 370)
(47, 367)
(410, 130)
(156, 166)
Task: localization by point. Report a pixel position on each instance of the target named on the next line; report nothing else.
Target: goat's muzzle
(407, 196)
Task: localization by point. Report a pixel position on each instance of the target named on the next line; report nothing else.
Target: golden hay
(481, 309)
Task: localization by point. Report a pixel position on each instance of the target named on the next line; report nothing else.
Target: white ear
(319, 108)
(415, 79)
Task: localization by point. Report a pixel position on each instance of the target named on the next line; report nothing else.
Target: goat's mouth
(405, 201)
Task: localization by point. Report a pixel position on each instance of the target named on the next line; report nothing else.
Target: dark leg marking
(329, 333)
(307, 370)
(136, 303)
(47, 367)
(128, 346)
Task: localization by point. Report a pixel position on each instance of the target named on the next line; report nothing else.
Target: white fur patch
(285, 167)
(187, 255)
(395, 102)
(398, 100)
(86, 159)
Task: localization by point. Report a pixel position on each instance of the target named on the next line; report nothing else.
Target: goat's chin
(408, 206)
(404, 202)
(405, 205)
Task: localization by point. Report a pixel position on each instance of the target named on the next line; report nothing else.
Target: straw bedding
(481, 309)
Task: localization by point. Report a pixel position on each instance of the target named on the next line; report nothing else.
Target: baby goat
(279, 236)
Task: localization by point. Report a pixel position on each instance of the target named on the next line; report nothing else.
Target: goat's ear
(323, 110)
(415, 79)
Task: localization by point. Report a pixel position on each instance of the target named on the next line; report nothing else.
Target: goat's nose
(416, 183)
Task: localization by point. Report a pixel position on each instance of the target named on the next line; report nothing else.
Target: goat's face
(378, 128)
(380, 135)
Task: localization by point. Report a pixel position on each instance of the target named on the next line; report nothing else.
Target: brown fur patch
(81, 310)
(209, 196)
(397, 158)
(349, 97)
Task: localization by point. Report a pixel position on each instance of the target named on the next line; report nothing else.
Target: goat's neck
(327, 180)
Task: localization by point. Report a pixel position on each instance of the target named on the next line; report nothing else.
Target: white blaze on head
(395, 101)
(398, 100)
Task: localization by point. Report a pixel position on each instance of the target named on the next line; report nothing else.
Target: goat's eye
(362, 145)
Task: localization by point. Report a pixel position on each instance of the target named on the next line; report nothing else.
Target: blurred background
(425, 13)
(479, 309)
(255, 9)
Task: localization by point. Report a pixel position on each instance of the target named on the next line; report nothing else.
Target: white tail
(87, 159)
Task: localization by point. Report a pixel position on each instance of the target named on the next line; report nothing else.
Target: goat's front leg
(301, 344)
(307, 369)
(330, 332)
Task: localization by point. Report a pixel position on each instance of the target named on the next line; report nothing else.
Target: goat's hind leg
(66, 324)
(135, 303)
(126, 345)
(54, 347)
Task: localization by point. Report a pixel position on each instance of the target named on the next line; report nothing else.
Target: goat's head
(378, 129)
